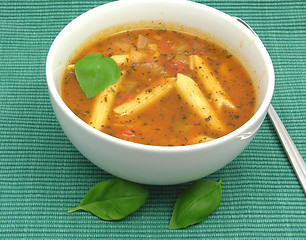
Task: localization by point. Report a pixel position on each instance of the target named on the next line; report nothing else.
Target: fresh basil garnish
(113, 199)
(196, 203)
(95, 72)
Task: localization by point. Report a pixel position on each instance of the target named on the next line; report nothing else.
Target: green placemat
(42, 175)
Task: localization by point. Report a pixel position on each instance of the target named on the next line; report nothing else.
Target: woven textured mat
(42, 175)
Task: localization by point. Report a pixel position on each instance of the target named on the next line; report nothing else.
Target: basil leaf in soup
(196, 203)
(95, 72)
(113, 199)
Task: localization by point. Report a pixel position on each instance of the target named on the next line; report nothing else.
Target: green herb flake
(113, 199)
(95, 72)
(196, 203)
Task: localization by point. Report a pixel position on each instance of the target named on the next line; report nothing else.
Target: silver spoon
(293, 154)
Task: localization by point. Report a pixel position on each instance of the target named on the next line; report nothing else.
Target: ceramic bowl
(155, 164)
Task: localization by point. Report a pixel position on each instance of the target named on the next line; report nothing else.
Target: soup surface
(172, 67)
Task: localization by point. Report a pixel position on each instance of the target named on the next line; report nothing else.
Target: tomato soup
(191, 90)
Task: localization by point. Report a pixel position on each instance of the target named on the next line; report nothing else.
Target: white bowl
(155, 164)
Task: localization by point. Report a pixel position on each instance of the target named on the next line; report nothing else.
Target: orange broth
(169, 121)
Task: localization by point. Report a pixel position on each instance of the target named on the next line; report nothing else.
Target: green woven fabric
(42, 175)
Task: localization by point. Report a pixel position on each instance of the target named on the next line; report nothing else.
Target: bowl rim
(261, 111)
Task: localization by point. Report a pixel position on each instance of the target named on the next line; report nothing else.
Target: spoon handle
(293, 154)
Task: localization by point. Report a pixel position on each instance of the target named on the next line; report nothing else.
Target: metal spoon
(293, 154)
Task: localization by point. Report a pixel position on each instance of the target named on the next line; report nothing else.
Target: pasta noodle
(210, 83)
(103, 104)
(119, 59)
(70, 68)
(192, 94)
(146, 97)
(202, 138)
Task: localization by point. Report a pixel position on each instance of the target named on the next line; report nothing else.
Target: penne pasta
(210, 83)
(119, 59)
(193, 96)
(202, 139)
(70, 68)
(191, 63)
(146, 97)
(103, 104)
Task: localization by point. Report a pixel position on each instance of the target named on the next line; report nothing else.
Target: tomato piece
(175, 66)
(126, 132)
(166, 45)
(125, 97)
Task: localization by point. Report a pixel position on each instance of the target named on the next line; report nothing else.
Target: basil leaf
(113, 199)
(196, 203)
(95, 72)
